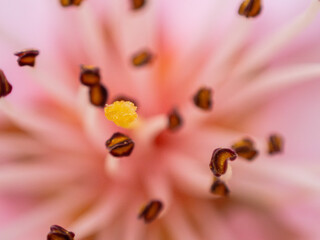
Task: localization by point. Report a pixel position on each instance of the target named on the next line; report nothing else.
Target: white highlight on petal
(37, 177)
(265, 50)
(147, 130)
(111, 165)
(93, 36)
(207, 213)
(159, 188)
(179, 225)
(15, 145)
(52, 81)
(269, 82)
(216, 67)
(89, 116)
(190, 176)
(99, 215)
(65, 204)
(43, 127)
(297, 175)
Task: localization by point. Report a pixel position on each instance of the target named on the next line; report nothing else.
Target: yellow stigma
(122, 113)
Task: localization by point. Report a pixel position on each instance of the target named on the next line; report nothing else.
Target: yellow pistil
(122, 113)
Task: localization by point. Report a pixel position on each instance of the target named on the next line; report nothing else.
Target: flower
(210, 86)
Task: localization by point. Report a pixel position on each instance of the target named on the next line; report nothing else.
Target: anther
(98, 95)
(151, 211)
(142, 58)
(245, 149)
(125, 98)
(219, 160)
(275, 144)
(250, 8)
(90, 75)
(174, 120)
(120, 145)
(59, 233)
(137, 4)
(219, 188)
(5, 86)
(122, 113)
(27, 57)
(67, 3)
(203, 98)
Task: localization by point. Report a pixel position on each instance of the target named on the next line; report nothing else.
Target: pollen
(122, 113)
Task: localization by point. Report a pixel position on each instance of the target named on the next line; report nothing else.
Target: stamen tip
(122, 113)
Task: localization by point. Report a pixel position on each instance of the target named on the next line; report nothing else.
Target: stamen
(90, 75)
(98, 95)
(275, 144)
(219, 160)
(27, 57)
(120, 145)
(125, 98)
(67, 3)
(122, 113)
(261, 53)
(137, 4)
(151, 211)
(59, 233)
(5, 86)
(203, 98)
(142, 58)
(219, 187)
(250, 8)
(174, 120)
(245, 148)
(77, 2)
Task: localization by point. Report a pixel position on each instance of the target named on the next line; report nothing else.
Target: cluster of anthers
(123, 113)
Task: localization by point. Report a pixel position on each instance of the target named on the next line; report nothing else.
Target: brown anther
(77, 2)
(59, 233)
(125, 98)
(219, 160)
(142, 58)
(98, 95)
(120, 145)
(137, 4)
(27, 57)
(5, 86)
(67, 3)
(151, 211)
(275, 144)
(250, 8)
(174, 120)
(203, 98)
(245, 149)
(218, 187)
(90, 75)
